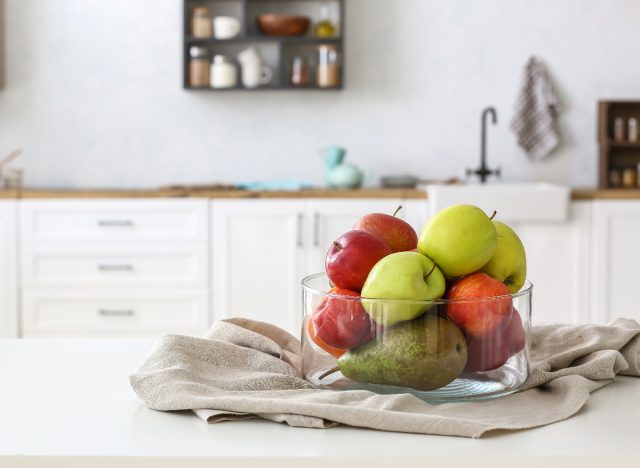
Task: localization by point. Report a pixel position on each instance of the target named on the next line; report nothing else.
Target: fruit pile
(418, 311)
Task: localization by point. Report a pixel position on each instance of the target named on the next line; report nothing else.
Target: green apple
(461, 239)
(509, 263)
(403, 275)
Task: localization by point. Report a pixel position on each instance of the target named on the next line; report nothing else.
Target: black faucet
(483, 171)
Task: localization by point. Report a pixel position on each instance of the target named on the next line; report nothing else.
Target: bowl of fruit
(445, 315)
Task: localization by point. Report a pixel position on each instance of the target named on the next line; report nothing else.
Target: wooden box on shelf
(277, 52)
(619, 140)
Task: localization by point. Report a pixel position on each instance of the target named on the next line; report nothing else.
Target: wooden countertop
(576, 194)
(201, 193)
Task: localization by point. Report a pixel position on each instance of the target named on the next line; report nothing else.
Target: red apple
(352, 256)
(514, 336)
(485, 354)
(398, 234)
(335, 352)
(491, 352)
(340, 320)
(480, 318)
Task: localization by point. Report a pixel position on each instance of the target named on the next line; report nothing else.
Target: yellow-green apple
(481, 305)
(352, 256)
(408, 276)
(461, 239)
(397, 233)
(340, 320)
(491, 352)
(509, 262)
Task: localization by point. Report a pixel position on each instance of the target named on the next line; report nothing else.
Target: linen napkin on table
(244, 369)
(534, 122)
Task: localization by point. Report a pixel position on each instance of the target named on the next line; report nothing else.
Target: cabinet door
(558, 266)
(616, 259)
(257, 252)
(331, 219)
(8, 285)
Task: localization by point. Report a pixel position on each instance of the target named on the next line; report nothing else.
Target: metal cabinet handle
(116, 312)
(123, 267)
(300, 220)
(316, 229)
(115, 223)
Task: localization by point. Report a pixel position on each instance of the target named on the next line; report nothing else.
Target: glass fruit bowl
(353, 343)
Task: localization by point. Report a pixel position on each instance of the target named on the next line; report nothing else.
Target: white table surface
(68, 403)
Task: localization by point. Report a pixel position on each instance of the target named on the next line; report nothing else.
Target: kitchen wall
(93, 92)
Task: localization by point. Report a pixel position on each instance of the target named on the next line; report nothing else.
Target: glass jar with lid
(198, 67)
(328, 68)
(201, 25)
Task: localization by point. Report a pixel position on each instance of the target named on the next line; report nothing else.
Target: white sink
(514, 202)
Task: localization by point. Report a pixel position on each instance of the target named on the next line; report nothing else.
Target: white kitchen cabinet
(257, 259)
(8, 271)
(114, 267)
(558, 257)
(615, 260)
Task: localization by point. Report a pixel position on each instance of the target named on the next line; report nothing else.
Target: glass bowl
(432, 357)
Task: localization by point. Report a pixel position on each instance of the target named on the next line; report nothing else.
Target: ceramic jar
(224, 74)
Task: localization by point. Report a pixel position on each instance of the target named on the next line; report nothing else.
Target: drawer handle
(115, 223)
(115, 267)
(116, 312)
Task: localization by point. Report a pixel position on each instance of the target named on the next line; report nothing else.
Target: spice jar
(615, 178)
(618, 129)
(632, 130)
(201, 25)
(328, 69)
(629, 177)
(299, 71)
(198, 67)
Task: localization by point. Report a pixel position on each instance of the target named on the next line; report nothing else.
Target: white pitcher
(254, 72)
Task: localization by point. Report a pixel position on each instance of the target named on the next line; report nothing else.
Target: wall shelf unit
(622, 154)
(277, 52)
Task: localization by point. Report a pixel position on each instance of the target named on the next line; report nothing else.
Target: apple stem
(493, 215)
(329, 372)
(432, 270)
(336, 245)
(396, 212)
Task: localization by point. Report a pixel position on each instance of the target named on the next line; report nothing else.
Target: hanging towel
(534, 122)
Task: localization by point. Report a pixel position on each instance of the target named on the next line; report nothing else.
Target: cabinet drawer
(113, 312)
(114, 221)
(114, 267)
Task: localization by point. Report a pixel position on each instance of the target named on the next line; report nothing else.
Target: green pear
(509, 262)
(424, 354)
(403, 275)
(461, 239)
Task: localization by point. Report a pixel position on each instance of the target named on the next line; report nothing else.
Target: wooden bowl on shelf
(283, 25)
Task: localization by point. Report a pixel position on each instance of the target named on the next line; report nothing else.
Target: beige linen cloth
(246, 369)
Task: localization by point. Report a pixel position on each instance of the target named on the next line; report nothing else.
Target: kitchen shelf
(258, 39)
(277, 51)
(616, 155)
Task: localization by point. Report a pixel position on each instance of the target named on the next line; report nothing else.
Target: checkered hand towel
(534, 122)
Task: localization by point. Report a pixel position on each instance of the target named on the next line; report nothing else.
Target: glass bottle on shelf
(324, 28)
(328, 68)
(299, 71)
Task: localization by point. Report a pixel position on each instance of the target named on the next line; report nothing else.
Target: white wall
(94, 94)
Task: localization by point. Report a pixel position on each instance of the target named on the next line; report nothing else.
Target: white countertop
(68, 403)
